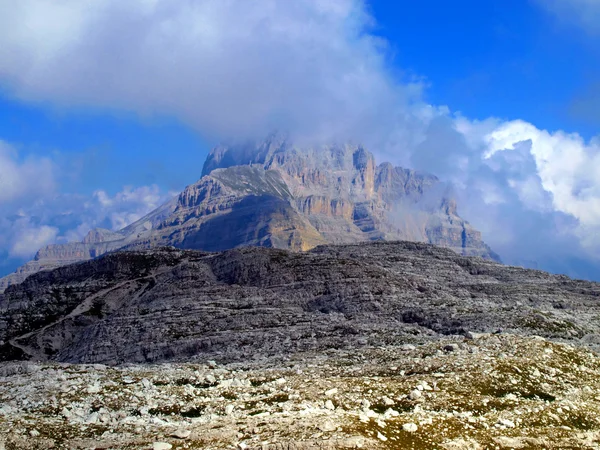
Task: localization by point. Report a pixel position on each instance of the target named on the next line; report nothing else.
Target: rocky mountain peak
(277, 193)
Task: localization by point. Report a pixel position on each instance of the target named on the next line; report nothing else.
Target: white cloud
(29, 238)
(226, 67)
(130, 204)
(67, 218)
(568, 167)
(232, 68)
(23, 179)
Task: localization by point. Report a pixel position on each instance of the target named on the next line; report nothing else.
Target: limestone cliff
(277, 194)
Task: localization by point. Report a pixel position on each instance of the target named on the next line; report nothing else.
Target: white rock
(327, 426)
(93, 389)
(471, 335)
(181, 433)
(410, 427)
(161, 446)
(388, 401)
(229, 410)
(381, 437)
(92, 418)
(416, 394)
(461, 444)
(355, 442)
(391, 413)
(371, 413)
(329, 405)
(509, 442)
(331, 392)
(506, 423)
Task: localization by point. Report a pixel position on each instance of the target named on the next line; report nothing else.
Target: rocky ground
(168, 305)
(386, 345)
(489, 391)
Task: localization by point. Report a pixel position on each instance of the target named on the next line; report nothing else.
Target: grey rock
(415, 395)
(181, 433)
(277, 194)
(181, 305)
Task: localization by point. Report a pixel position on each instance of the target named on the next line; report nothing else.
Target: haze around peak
(231, 69)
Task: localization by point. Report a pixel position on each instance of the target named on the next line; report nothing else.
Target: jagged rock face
(346, 197)
(275, 194)
(171, 304)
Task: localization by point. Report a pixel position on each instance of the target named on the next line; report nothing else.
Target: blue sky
(506, 58)
(102, 117)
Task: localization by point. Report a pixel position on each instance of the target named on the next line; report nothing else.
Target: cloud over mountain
(233, 68)
(226, 67)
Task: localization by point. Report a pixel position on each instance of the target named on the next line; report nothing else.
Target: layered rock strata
(171, 304)
(276, 194)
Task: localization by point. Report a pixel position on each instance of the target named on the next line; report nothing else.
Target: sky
(109, 108)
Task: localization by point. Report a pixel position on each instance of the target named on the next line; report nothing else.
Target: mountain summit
(277, 194)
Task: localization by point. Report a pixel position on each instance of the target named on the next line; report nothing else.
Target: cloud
(534, 194)
(585, 13)
(22, 179)
(128, 205)
(29, 238)
(568, 168)
(235, 68)
(227, 67)
(67, 218)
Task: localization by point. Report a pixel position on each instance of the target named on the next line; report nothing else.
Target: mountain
(170, 304)
(378, 345)
(278, 194)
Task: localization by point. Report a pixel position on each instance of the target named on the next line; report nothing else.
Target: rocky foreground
(476, 392)
(391, 345)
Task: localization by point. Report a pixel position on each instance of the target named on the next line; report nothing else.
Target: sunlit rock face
(278, 194)
(347, 197)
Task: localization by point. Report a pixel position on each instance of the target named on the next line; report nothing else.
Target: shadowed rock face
(169, 304)
(275, 194)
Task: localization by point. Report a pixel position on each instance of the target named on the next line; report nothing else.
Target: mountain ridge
(171, 304)
(276, 194)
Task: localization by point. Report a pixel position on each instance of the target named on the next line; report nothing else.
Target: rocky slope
(382, 345)
(169, 304)
(276, 194)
